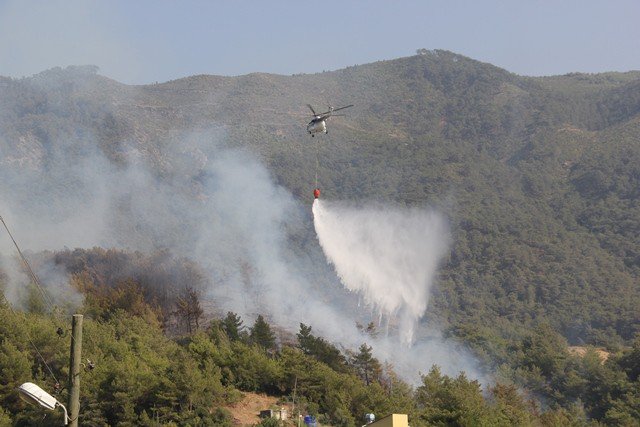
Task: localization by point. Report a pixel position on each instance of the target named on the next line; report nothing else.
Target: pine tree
(367, 366)
(305, 339)
(233, 326)
(262, 335)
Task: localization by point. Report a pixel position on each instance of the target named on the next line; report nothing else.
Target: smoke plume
(220, 207)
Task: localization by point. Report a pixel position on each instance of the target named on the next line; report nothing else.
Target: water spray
(388, 255)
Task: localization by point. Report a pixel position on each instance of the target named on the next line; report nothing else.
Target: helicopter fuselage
(319, 122)
(316, 126)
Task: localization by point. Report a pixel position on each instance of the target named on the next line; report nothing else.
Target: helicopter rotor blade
(342, 108)
(312, 110)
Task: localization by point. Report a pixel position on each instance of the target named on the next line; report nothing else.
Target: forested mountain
(538, 177)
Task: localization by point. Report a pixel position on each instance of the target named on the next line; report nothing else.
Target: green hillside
(539, 177)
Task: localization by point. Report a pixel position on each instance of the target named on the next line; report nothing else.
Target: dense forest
(141, 374)
(538, 177)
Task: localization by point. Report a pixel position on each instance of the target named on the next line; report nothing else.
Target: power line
(45, 297)
(35, 280)
(31, 341)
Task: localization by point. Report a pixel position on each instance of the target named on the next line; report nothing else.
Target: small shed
(278, 414)
(393, 420)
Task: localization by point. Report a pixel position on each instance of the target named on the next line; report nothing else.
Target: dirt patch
(581, 351)
(247, 411)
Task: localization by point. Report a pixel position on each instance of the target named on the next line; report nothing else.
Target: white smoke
(219, 206)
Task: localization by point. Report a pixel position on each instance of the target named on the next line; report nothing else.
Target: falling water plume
(388, 255)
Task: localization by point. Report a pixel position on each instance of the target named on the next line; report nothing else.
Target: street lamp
(29, 392)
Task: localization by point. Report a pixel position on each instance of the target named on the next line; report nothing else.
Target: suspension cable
(317, 162)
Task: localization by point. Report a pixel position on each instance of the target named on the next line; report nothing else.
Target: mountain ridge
(425, 128)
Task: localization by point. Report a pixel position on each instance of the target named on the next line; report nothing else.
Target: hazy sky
(143, 41)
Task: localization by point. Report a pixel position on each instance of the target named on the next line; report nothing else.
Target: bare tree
(188, 309)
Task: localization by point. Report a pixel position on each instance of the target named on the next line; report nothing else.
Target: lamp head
(31, 393)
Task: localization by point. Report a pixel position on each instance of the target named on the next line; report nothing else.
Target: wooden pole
(75, 361)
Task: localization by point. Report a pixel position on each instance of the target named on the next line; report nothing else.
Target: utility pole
(295, 386)
(74, 370)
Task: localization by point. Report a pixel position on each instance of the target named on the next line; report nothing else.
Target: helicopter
(319, 121)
